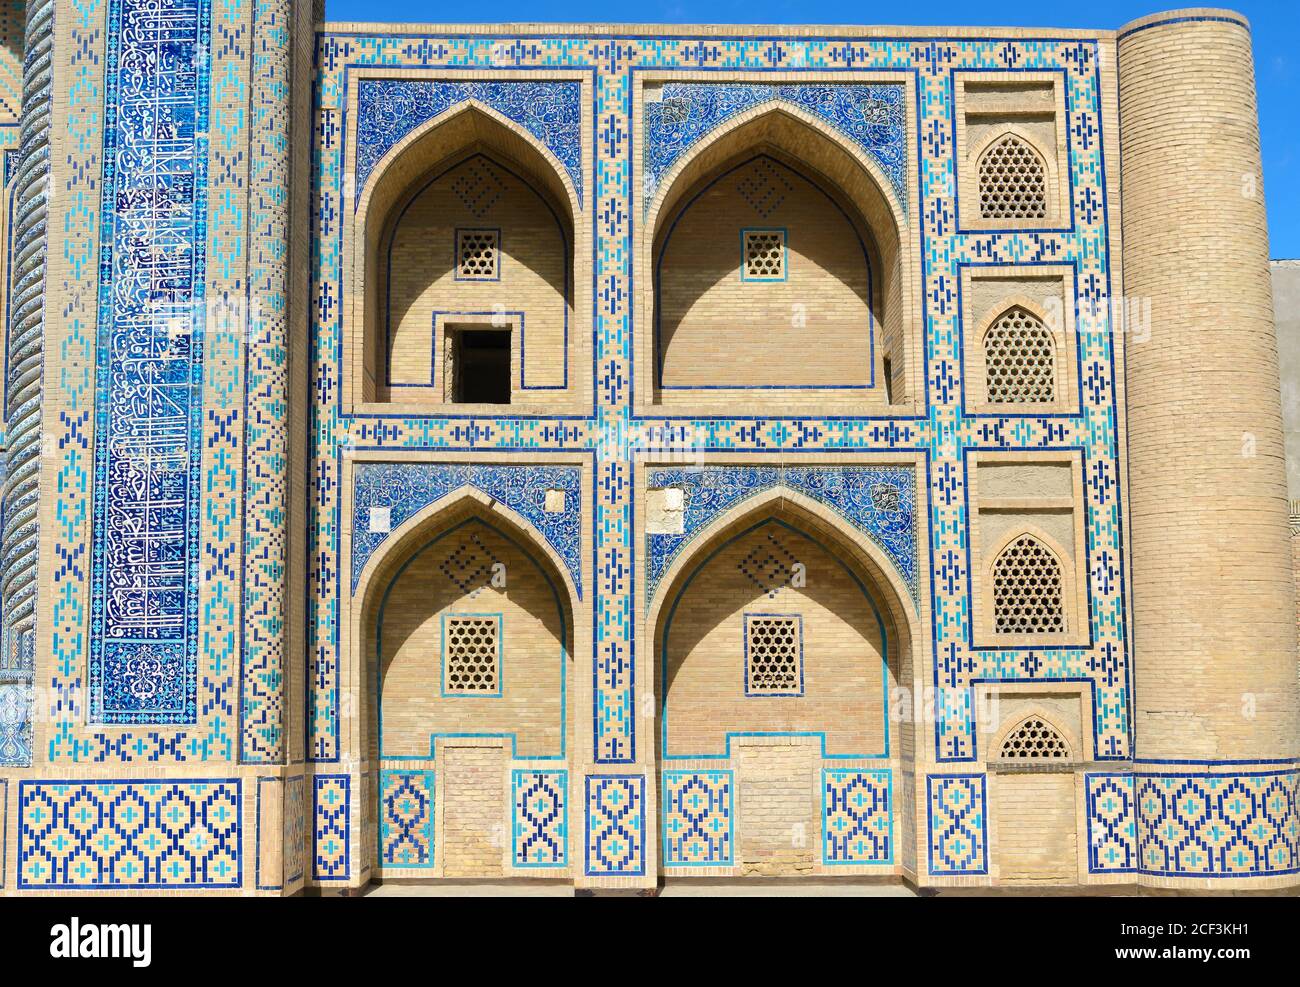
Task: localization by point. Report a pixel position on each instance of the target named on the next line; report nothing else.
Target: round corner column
(1213, 602)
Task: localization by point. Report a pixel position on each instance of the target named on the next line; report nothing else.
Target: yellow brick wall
(715, 328)
(474, 811)
(778, 827)
(1213, 599)
(419, 278)
(844, 691)
(1036, 839)
(410, 640)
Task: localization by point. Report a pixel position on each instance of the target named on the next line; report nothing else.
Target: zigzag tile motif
(130, 834)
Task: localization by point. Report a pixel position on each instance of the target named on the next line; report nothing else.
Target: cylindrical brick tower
(1213, 598)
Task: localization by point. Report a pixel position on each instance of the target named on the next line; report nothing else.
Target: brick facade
(853, 506)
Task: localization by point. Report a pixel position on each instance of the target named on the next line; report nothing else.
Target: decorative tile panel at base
(406, 818)
(699, 819)
(540, 820)
(130, 834)
(857, 816)
(332, 814)
(1195, 823)
(615, 826)
(958, 825)
(1112, 824)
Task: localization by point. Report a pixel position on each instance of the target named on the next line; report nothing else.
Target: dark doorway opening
(481, 363)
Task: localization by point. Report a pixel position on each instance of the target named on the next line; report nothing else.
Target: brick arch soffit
(429, 535)
(985, 320)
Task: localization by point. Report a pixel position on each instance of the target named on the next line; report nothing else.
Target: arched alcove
(465, 627)
(463, 248)
(776, 238)
(780, 637)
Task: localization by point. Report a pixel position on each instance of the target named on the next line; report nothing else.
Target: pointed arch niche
(463, 236)
(776, 266)
(773, 691)
(459, 675)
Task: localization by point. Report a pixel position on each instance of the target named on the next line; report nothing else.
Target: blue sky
(1276, 29)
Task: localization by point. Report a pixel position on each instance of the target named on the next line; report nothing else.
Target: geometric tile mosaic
(295, 829)
(540, 828)
(1112, 823)
(138, 834)
(615, 825)
(857, 816)
(941, 435)
(331, 832)
(879, 501)
(1194, 824)
(406, 818)
(699, 822)
(957, 825)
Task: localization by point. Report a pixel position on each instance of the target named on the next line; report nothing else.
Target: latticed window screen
(773, 656)
(1013, 181)
(1035, 739)
(1027, 592)
(764, 255)
(477, 255)
(1020, 359)
(472, 654)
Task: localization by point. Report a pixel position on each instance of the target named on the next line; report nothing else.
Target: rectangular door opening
(480, 366)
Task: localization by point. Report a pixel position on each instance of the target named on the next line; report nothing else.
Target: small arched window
(1013, 181)
(1028, 596)
(1019, 359)
(1035, 738)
